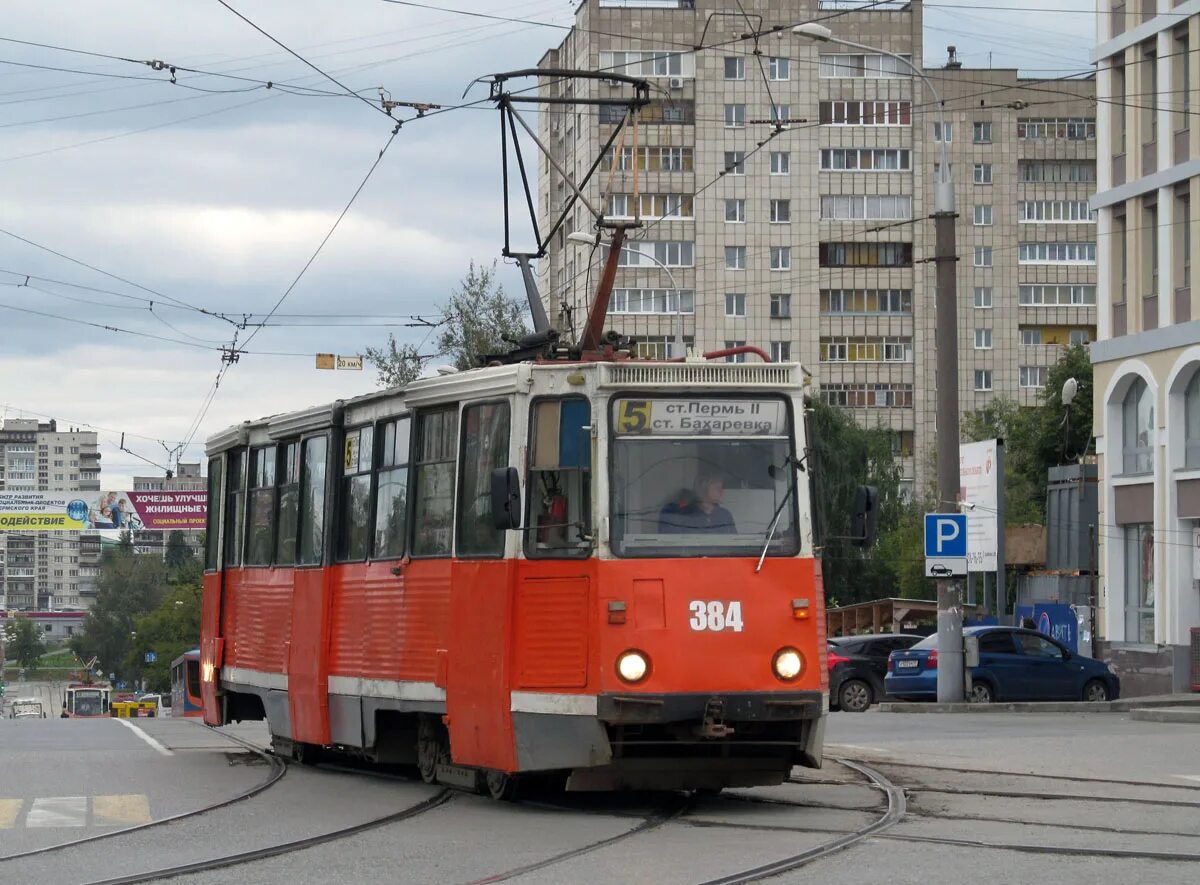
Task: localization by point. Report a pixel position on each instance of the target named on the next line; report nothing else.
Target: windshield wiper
(799, 465)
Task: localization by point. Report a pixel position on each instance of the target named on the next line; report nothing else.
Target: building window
(1139, 583)
(781, 351)
(735, 116)
(659, 347)
(865, 160)
(779, 69)
(981, 132)
(1055, 212)
(735, 67)
(781, 212)
(983, 256)
(672, 253)
(943, 129)
(1074, 128)
(1056, 253)
(870, 66)
(735, 257)
(983, 173)
(983, 216)
(735, 357)
(866, 349)
(983, 379)
(781, 163)
(1191, 423)
(865, 208)
(1137, 430)
(735, 211)
(781, 258)
(983, 297)
(649, 63)
(1031, 337)
(1036, 171)
(866, 301)
(735, 304)
(1050, 296)
(781, 113)
(868, 396)
(650, 159)
(1078, 337)
(735, 162)
(865, 113)
(983, 339)
(1033, 376)
(865, 254)
(781, 308)
(652, 301)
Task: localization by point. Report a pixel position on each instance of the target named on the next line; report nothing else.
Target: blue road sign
(945, 535)
(151, 657)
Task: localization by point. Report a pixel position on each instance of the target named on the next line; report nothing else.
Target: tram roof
(451, 385)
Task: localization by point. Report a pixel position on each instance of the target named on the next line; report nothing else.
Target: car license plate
(906, 665)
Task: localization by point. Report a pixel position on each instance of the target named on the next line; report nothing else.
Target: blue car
(1014, 665)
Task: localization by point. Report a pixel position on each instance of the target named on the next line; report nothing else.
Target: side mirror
(864, 522)
(506, 498)
(971, 651)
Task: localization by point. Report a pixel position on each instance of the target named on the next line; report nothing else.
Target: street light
(586, 239)
(950, 641)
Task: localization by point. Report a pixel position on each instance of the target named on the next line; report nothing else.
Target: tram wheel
(432, 748)
(501, 786)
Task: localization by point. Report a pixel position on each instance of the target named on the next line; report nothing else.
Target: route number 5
(715, 616)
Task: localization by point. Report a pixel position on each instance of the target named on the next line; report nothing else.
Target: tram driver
(698, 511)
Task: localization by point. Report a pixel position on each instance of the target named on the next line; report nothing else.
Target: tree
(1039, 437)
(24, 642)
(478, 320)
(169, 630)
(178, 554)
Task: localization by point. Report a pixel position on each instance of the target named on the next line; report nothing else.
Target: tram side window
(260, 531)
(312, 500)
(193, 677)
(433, 513)
(212, 534)
(234, 500)
(289, 505)
(391, 493)
(560, 507)
(484, 448)
(354, 527)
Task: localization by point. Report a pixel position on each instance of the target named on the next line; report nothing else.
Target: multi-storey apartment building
(186, 478)
(789, 192)
(1147, 358)
(47, 570)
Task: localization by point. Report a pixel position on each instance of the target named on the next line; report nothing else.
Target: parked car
(857, 665)
(1015, 664)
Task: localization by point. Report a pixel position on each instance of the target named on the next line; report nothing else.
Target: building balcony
(1120, 320)
(1118, 20)
(1183, 304)
(1041, 354)
(1182, 147)
(1149, 312)
(1149, 157)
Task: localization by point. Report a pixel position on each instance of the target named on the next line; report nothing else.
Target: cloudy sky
(213, 192)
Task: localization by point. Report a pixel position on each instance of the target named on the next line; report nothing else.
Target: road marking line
(10, 810)
(58, 811)
(151, 741)
(120, 810)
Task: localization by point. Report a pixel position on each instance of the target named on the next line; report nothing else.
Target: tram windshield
(87, 703)
(702, 477)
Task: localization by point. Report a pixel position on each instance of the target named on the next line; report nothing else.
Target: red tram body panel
(505, 652)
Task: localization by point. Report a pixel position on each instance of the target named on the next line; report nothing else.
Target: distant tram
(185, 685)
(85, 701)
(600, 568)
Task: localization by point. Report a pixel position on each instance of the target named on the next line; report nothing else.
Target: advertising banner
(118, 510)
(978, 480)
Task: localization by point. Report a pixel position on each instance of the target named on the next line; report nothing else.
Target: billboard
(978, 490)
(118, 510)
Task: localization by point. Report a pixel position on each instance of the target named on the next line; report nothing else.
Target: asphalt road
(993, 797)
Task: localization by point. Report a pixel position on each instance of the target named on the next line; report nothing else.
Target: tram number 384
(715, 616)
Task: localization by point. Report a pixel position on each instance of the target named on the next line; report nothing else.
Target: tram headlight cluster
(633, 666)
(787, 664)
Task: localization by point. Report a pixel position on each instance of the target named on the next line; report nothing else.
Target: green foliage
(23, 642)
(900, 552)
(1039, 437)
(168, 631)
(478, 320)
(844, 457)
(178, 554)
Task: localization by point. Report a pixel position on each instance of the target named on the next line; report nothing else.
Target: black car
(857, 666)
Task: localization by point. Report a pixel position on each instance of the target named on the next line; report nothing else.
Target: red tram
(599, 569)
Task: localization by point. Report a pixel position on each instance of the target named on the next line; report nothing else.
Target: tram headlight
(206, 671)
(633, 666)
(788, 664)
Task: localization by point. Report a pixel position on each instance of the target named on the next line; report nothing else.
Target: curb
(1188, 705)
(1166, 715)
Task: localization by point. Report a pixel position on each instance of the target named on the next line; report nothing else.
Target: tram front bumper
(636, 708)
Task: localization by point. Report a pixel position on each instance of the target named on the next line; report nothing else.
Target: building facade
(47, 570)
(788, 192)
(1147, 358)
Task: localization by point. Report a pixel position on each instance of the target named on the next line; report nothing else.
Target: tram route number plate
(715, 616)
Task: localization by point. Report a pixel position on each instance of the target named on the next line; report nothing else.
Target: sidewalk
(1156, 708)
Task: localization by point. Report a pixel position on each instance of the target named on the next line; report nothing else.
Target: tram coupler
(714, 726)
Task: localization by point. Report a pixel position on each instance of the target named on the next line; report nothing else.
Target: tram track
(277, 770)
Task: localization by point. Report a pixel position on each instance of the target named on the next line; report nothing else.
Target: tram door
(212, 644)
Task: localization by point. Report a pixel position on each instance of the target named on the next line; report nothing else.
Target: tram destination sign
(701, 417)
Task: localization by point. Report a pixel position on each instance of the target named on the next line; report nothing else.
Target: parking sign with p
(945, 545)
